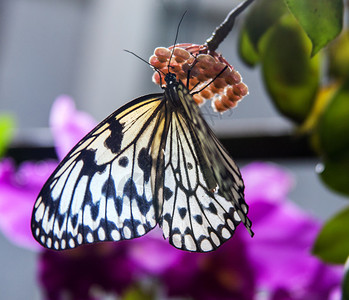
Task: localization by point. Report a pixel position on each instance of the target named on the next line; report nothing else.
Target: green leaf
(332, 244)
(333, 127)
(262, 16)
(290, 75)
(6, 132)
(321, 19)
(335, 174)
(338, 56)
(246, 50)
(345, 282)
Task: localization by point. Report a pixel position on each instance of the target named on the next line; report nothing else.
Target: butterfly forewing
(102, 189)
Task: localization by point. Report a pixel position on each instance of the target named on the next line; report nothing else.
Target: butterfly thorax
(171, 89)
(171, 80)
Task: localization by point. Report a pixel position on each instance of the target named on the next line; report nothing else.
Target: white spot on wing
(231, 224)
(39, 212)
(225, 233)
(140, 230)
(101, 234)
(80, 238)
(71, 243)
(127, 232)
(215, 239)
(115, 235)
(206, 245)
(89, 237)
(236, 216)
(176, 240)
(189, 242)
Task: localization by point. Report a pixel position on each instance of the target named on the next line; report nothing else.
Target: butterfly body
(153, 161)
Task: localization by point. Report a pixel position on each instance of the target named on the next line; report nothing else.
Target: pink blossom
(20, 187)
(284, 235)
(68, 125)
(18, 190)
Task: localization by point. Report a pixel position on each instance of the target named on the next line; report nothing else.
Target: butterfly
(153, 161)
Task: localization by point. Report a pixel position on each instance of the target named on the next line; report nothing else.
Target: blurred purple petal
(80, 272)
(68, 125)
(19, 188)
(276, 261)
(266, 181)
(18, 191)
(153, 254)
(284, 235)
(226, 273)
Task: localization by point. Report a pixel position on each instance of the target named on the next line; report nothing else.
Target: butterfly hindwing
(194, 218)
(207, 202)
(102, 190)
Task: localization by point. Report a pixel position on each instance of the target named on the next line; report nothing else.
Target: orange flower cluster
(202, 66)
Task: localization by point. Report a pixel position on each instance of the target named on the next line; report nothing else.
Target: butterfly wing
(102, 190)
(207, 202)
(148, 162)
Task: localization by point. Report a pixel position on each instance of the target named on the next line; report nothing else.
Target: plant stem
(223, 30)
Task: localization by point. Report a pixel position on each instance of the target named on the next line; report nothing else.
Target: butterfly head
(171, 80)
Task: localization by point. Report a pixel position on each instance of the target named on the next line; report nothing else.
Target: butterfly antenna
(175, 41)
(209, 82)
(155, 68)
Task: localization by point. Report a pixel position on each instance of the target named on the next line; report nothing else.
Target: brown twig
(223, 30)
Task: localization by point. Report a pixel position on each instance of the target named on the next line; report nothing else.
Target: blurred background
(50, 47)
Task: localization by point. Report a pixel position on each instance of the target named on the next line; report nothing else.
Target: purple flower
(87, 271)
(68, 125)
(284, 235)
(276, 262)
(226, 273)
(18, 191)
(223, 274)
(114, 267)
(109, 268)
(19, 188)
(153, 255)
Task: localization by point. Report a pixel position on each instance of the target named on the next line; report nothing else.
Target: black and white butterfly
(153, 161)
